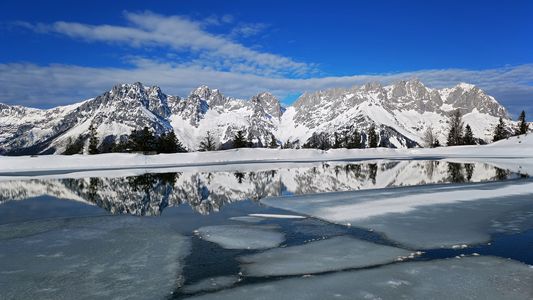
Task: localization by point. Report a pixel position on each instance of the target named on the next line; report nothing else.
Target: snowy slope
(513, 149)
(402, 112)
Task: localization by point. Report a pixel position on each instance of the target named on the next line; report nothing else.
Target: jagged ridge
(402, 112)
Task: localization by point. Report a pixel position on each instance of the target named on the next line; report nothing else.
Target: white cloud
(216, 60)
(34, 85)
(247, 29)
(179, 33)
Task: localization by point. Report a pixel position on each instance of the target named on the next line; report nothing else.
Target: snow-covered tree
(429, 138)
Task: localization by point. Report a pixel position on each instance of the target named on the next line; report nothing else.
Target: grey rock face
(401, 112)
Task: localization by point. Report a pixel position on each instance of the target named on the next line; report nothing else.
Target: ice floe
(242, 236)
(425, 217)
(95, 257)
(277, 216)
(210, 284)
(247, 219)
(336, 253)
(467, 278)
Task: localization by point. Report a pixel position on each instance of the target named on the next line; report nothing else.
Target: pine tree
(355, 141)
(337, 143)
(208, 143)
(239, 141)
(142, 140)
(169, 143)
(273, 142)
(318, 141)
(522, 124)
(455, 134)
(372, 137)
(468, 138)
(499, 131)
(93, 140)
(287, 144)
(75, 147)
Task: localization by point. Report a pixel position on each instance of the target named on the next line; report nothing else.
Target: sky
(60, 52)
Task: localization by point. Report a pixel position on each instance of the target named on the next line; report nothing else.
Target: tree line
(459, 134)
(143, 140)
(146, 141)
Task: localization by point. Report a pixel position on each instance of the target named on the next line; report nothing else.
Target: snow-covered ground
(520, 149)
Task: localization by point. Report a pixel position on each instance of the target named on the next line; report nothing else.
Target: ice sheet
(466, 278)
(242, 236)
(424, 217)
(277, 216)
(210, 284)
(336, 253)
(247, 219)
(87, 258)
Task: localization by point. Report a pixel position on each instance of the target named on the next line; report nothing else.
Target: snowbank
(516, 147)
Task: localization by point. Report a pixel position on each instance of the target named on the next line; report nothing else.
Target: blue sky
(59, 52)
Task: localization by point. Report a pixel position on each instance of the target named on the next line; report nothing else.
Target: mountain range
(402, 112)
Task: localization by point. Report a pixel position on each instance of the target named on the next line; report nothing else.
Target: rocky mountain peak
(269, 103)
(213, 97)
(402, 112)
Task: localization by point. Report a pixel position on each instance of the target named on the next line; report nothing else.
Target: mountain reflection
(149, 194)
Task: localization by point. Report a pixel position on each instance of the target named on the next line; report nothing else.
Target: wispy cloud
(182, 34)
(35, 85)
(195, 56)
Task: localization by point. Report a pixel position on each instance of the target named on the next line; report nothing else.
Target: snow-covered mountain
(402, 112)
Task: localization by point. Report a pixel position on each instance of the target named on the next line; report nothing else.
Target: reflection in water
(205, 192)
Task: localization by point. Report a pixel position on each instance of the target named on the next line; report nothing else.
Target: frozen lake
(383, 229)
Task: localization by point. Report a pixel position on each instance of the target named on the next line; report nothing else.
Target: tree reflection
(456, 173)
(373, 171)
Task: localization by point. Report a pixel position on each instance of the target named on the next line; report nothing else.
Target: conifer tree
(337, 143)
(273, 142)
(75, 147)
(239, 141)
(468, 138)
(522, 124)
(208, 143)
(455, 133)
(318, 141)
(287, 144)
(354, 142)
(372, 137)
(499, 131)
(169, 143)
(93, 140)
(142, 140)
